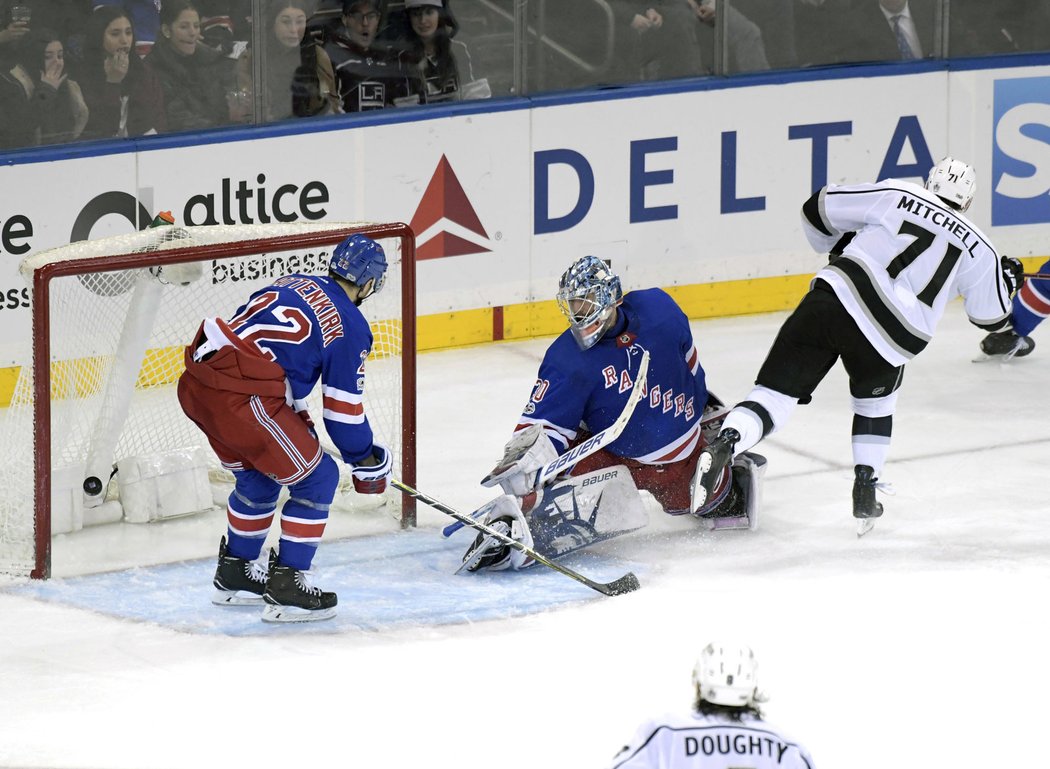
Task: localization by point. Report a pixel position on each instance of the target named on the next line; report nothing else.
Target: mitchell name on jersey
(588, 389)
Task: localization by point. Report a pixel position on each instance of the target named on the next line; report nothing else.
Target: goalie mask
(588, 294)
(360, 259)
(726, 674)
(954, 182)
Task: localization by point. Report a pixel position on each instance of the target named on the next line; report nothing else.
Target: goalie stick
(625, 584)
(592, 445)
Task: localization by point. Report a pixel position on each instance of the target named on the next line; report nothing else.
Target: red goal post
(109, 320)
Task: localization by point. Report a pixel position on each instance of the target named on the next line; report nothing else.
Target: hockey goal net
(94, 433)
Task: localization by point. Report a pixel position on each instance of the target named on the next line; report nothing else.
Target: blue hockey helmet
(588, 294)
(359, 259)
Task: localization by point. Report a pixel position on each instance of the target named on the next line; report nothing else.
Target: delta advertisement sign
(683, 188)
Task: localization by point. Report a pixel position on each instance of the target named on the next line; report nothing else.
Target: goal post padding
(110, 319)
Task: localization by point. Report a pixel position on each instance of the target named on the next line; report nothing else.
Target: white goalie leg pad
(585, 509)
(527, 452)
(741, 507)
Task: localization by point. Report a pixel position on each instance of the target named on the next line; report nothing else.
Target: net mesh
(117, 339)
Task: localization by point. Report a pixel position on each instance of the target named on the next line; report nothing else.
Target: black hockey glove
(1013, 273)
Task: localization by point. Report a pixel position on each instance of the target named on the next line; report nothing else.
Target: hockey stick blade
(592, 445)
(625, 584)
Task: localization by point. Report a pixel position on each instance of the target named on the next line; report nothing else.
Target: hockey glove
(1013, 274)
(526, 453)
(371, 479)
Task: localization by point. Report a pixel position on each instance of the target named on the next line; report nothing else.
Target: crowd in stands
(100, 69)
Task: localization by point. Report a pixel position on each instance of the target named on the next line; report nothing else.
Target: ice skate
(1006, 345)
(291, 597)
(865, 507)
(238, 581)
(713, 459)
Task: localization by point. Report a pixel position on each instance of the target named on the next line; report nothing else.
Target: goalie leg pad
(585, 509)
(740, 508)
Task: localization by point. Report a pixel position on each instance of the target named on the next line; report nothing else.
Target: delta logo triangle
(445, 223)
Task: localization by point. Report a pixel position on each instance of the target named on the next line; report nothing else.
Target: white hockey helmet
(726, 674)
(953, 181)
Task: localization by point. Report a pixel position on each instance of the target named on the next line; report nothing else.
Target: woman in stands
(193, 77)
(56, 104)
(437, 67)
(122, 93)
(298, 79)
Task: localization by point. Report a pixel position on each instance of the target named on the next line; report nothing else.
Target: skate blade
(295, 614)
(235, 598)
(864, 525)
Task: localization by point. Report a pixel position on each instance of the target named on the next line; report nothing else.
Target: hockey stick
(592, 445)
(1035, 275)
(625, 584)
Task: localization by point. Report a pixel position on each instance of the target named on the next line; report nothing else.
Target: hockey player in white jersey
(725, 728)
(898, 253)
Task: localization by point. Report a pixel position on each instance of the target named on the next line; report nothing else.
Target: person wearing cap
(436, 66)
(366, 72)
(724, 729)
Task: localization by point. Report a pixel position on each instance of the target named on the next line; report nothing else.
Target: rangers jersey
(587, 389)
(712, 742)
(309, 326)
(910, 255)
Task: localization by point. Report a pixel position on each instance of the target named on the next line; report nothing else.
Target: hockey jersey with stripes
(309, 326)
(909, 255)
(587, 389)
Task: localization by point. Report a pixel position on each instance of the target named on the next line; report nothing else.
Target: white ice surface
(921, 645)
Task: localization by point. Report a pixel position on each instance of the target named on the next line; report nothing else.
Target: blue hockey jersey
(309, 326)
(587, 389)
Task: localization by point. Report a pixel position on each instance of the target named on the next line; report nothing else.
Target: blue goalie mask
(588, 295)
(359, 259)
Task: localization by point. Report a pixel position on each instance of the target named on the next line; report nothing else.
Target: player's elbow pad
(372, 479)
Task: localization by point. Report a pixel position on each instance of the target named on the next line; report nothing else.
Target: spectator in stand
(368, 75)
(145, 18)
(436, 67)
(298, 79)
(122, 93)
(56, 103)
(890, 30)
(193, 77)
(747, 51)
(659, 41)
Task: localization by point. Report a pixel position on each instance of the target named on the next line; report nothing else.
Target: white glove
(526, 453)
(492, 555)
(371, 479)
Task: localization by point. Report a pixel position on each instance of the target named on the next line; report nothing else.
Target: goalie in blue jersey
(582, 388)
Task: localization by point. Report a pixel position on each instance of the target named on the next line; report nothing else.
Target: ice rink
(921, 645)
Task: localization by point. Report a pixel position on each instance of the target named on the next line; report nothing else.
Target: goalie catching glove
(526, 454)
(372, 479)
